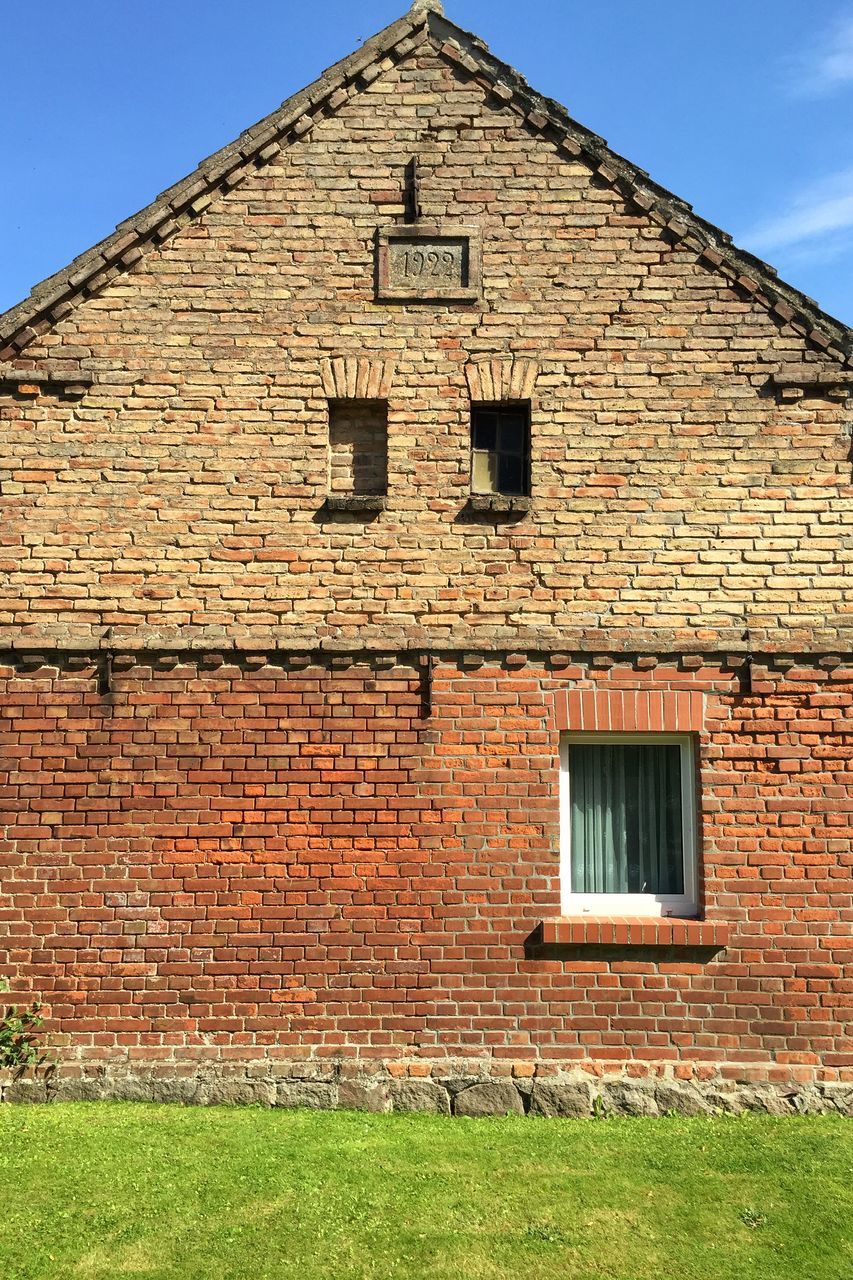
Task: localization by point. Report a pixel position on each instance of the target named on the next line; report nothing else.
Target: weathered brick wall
(183, 495)
(225, 863)
(358, 447)
(244, 860)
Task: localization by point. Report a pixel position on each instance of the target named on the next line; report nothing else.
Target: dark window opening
(500, 449)
(358, 447)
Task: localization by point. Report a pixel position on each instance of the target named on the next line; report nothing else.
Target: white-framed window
(628, 824)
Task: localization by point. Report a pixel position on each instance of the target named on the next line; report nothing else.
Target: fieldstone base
(447, 1088)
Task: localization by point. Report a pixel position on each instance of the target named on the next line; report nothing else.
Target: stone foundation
(458, 1088)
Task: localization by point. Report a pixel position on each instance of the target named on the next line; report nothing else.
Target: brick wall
(215, 862)
(674, 499)
(225, 857)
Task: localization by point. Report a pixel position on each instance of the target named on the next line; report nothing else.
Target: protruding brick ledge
(45, 381)
(634, 931)
(794, 381)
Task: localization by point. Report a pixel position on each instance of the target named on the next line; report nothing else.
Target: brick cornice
(625, 709)
(829, 645)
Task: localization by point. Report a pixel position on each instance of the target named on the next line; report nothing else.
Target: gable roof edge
(53, 298)
(742, 269)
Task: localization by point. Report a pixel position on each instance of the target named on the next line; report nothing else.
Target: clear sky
(742, 107)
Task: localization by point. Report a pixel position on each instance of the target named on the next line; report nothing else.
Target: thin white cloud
(828, 66)
(816, 216)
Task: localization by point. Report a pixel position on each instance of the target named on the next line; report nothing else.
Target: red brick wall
(227, 862)
(246, 858)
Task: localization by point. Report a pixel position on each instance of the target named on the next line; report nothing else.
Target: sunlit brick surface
(249, 856)
(227, 862)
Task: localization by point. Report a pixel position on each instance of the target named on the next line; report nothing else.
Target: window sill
(356, 504)
(634, 931)
(498, 504)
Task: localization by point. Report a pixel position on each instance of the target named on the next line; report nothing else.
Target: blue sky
(742, 107)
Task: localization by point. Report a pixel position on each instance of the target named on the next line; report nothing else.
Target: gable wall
(185, 493)
(253, 862)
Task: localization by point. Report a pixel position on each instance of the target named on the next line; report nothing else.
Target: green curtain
(626, 829)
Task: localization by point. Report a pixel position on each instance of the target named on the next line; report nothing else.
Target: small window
(628, 825)
(358, 447)
(500, 449)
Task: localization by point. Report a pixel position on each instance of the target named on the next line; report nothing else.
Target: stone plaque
(428, 264)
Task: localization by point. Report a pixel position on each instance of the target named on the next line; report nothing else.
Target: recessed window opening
(628, 824)
(500, 449)
(358, 447)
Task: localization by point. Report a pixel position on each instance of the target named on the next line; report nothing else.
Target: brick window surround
(632, 711)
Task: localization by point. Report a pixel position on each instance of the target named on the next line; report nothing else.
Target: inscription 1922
(423, 262)
(427, 263)
(442, 264)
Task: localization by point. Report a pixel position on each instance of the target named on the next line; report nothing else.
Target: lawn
(125, 1190)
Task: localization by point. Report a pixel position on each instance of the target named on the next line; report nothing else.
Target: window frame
(633, 904)
(521, 408)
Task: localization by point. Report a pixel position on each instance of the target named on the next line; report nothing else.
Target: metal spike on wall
(746, 676)
(426, 664)
(105, 673)
(413, 195)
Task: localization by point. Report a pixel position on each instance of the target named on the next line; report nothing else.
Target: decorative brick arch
(502, 379)
(357, 377)
(630, 711)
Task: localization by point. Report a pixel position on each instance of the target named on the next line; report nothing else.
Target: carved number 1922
(428, 262)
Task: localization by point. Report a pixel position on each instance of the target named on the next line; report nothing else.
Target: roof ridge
(53, 298)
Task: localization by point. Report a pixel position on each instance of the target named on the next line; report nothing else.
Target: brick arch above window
(501, 379)
(630, 711)
(357, 377)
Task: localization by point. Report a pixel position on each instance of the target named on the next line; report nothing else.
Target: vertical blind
(626, 821)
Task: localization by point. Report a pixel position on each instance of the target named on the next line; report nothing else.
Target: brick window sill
(356, 504)
(634, 931)
(498, 504)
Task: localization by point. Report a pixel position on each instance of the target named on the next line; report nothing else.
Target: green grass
(122, 1190)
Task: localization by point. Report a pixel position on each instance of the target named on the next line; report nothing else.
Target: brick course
(278, 783)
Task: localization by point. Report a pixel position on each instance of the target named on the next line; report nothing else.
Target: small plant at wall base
(19, 1033)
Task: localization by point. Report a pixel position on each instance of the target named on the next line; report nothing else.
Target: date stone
(425, 263)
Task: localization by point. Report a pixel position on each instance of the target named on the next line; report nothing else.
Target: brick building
(426, 627)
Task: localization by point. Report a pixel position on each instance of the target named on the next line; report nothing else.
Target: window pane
(484, 473)
(513, 434)
(626, 821)
(510, 474)
(484, 430)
